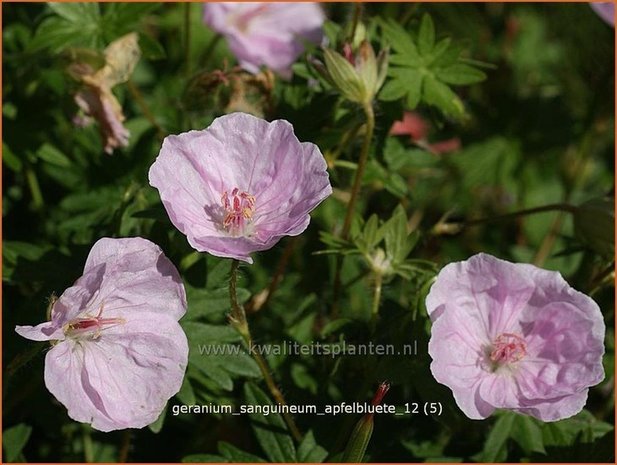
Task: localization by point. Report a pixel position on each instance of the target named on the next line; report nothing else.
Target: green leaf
(440, 95)
(401, 42)
(447, 57)
(426, 35)
(440, 49)
(396, 185)
(51, 154)
(565, 432)
(415, 93)
(394, 89)
(127, 14)
(334, 326)
(56, 34)
(235, 455)
(211, 351)
(309, 451)
(395, 234)
(460, 74)
(412, 80)
(77, 12)
(372, 234)
(495, 445)
(14, 439)
(12, 161)
(527, 433)
(151, 48)
(186, 395)
(157, 426)
(270, 430)
(206, 302)
(218, 273)
(303, 378)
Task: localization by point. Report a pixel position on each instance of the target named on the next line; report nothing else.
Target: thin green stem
(355, 190)
(262, 298)
(145, 109)
(454, 228)
(88, 446)
(205, 56)
(239, 322)
(125, 446)
(605, 276)
(549, 240)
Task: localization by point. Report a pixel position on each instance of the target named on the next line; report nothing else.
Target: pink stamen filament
(86, 325)
(238, 210)
(508, 348)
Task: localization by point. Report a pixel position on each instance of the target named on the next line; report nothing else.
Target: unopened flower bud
(361, 435)
(357, 75)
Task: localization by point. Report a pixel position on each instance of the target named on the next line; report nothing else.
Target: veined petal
(251, 182)
(122, 379)
(512, 336)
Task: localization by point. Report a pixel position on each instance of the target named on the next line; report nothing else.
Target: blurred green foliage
(527, 90)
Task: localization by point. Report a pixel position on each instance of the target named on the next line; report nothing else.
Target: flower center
(508, 348)
(239, 208)
(90, 326)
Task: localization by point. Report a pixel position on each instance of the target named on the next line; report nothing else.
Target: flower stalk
(355, 190)
(454, 228)
(238, 320)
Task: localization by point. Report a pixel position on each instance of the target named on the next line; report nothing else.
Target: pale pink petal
(123, 379)
(266, 34)
(42, 332)
(122, 353)
(240, 153)
(513, 336)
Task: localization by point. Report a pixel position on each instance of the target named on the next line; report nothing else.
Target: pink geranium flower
(266, 34)
(513, 336)
(240, 185)
(118, 351)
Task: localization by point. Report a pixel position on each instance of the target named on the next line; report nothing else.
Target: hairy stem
(262, 298)
(239, 322)
(355, 190)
